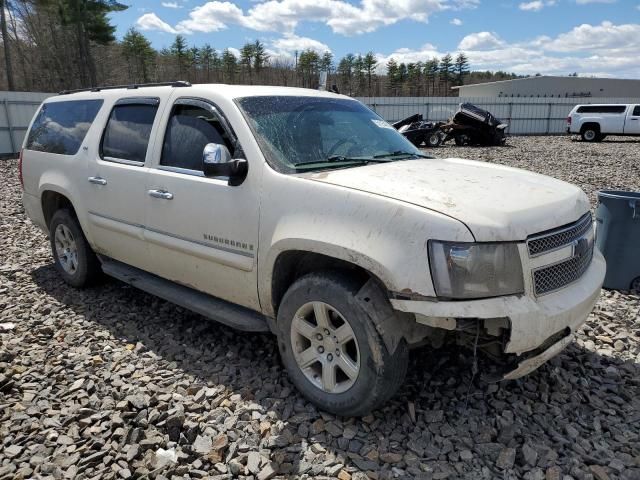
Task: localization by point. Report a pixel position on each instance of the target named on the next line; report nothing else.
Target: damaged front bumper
(536, 328)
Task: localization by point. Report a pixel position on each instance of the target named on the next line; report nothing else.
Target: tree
(369, 64)
(229, 66)
(246, 59)
(309, 68)
(179, 53)
(414, 77)
(445, 72)
(461, 68)
(431, 69)
(91, 23)
(208, 60)
(7, 51)
(139, 54)
(326, 62)
(393, 78)
(260, 57)
(345, 72)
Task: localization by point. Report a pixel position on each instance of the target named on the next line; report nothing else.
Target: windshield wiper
(342, 159)
(401, 153)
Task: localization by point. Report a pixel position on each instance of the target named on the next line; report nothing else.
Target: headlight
(475, 270)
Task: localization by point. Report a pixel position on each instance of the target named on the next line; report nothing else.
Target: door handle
(97, 180)
(160, 194)
(633, 119)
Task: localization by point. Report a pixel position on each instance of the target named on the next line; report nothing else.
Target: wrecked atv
(419, 132)
(472, 125)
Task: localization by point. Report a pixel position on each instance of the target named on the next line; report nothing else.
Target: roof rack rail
(132, 86)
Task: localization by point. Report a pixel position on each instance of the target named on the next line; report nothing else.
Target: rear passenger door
(632, 124)
(201, 231)
(115, 185)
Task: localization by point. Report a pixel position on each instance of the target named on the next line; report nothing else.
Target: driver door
(201, 232)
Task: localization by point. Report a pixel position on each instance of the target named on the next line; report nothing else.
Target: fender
(54, 181)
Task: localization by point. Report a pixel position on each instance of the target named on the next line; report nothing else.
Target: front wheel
(74, 259)
(331, 348)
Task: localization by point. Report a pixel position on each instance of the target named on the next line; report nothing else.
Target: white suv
(305, 214)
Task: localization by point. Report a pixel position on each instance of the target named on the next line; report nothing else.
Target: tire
(590, 134)
(461, 139)
(378, 374)
(74, 259)
(433, 140)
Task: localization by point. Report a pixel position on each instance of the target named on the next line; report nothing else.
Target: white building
(559, 87)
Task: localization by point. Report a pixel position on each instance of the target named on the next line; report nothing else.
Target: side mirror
(217, 162)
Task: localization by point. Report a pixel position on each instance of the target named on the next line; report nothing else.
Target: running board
(227, 313)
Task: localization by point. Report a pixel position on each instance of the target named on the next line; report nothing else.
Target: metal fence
(525, 116)
(16, 111)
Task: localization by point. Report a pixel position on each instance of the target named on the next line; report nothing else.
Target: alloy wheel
(66, 249)
(325, 347)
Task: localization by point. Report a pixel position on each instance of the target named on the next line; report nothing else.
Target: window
(190, 129)
(602, 109)
(307, 133)
(636, 111)
(126, 136)
(60, 127)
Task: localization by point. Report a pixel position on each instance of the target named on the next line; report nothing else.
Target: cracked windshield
(310, 133)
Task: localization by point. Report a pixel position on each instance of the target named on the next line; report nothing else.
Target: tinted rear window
(127, 134)
(60, 127)
(602, 109)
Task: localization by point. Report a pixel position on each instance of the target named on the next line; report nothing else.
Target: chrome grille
(553, 277)
(549, 241)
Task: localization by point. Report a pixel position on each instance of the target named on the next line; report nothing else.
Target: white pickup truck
(594, 122)
(304, 214)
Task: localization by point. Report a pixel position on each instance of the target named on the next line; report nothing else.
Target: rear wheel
(461, 139)
(590, 134)
(433, 139)
(74, 259)
(331, 348)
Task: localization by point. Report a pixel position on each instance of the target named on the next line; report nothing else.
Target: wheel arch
(53, 200)
(588, 125)
(292, 264)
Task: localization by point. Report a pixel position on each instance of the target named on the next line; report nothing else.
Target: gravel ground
(113, 383)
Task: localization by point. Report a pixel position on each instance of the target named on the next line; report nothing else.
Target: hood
(497, 203)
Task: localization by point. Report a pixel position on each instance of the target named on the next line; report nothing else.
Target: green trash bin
(618, 237)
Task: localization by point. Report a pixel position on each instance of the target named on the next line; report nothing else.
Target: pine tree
(208, 60)
(445, 72)
(461, 68)
(91, 23)
(369, 64)
(345, 73)
(139, 53)
(260, 57)
(179, 53)
(326, 62)
(392, 76)
(5, 42)
(229, 66)
(431, 69)
(246, 59)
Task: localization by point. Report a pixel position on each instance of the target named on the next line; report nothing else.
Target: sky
(551, 37)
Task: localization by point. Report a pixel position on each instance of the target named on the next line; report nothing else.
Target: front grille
(546, 242)
(553, 277)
